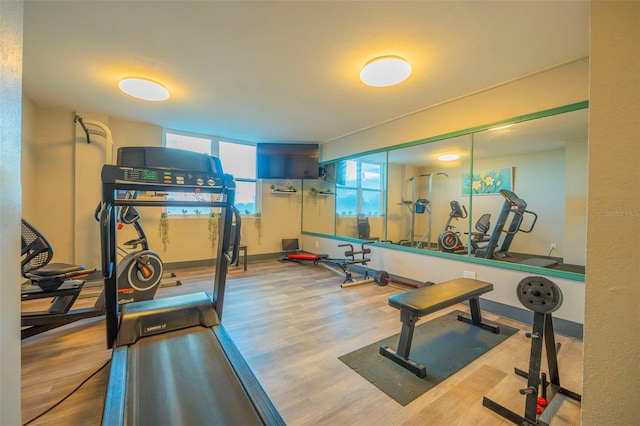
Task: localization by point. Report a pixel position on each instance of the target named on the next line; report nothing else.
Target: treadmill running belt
(184, 378)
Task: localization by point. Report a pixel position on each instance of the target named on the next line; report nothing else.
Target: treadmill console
(165, 166)
(154, 176)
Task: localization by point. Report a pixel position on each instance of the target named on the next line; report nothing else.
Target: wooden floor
(292, 322)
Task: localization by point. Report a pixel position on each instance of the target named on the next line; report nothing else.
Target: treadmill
(173, 363)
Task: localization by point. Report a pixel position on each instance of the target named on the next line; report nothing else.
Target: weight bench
(415, 304)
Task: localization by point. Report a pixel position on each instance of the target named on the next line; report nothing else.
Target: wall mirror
(360, 193)
(545, 163)
(319, 206)
(422, 183)
(463, 204)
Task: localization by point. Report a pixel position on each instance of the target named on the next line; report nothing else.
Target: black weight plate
(382, 278)
(539, 294)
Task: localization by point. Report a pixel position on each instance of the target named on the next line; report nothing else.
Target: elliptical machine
(449, 240)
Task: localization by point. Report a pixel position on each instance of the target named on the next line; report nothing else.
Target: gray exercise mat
(443, 345)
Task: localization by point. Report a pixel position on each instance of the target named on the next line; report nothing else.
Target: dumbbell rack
(542, 303)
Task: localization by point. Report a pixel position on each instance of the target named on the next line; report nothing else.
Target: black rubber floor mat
(443, 345)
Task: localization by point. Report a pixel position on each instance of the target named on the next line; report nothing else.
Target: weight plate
(539, 294)
(382, 278)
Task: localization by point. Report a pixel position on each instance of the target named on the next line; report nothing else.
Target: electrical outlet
(317, 244)
(552, 246)
(470, 274)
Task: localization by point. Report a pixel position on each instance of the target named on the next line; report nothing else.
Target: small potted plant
(164, 229)
(258, 224)
(213, 227)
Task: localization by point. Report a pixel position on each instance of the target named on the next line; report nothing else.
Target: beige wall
(10, 206)
(612, 310)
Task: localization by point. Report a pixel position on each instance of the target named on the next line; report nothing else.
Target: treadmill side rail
(114, 400)
(259, 398)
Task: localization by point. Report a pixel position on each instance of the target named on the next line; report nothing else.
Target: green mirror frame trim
(470, 132)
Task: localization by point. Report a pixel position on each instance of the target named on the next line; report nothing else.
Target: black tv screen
(287, 161)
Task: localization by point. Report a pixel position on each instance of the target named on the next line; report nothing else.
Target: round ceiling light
(448, 157)
(385, 71)
(143, 88)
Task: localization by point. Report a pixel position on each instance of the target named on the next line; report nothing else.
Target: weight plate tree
(542, 296)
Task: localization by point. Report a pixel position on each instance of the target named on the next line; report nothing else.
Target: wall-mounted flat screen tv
(287, 161)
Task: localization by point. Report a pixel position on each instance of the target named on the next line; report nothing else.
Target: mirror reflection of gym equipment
(418, 205)
(515, 208)
(364, 228)
(449, 240)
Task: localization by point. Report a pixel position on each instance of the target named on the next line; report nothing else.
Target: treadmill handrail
(233, 258)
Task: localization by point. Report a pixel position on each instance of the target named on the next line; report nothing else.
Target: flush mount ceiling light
(448, 157)
(143, 88)
(385, 71)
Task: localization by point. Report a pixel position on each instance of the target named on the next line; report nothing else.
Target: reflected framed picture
(487, 183)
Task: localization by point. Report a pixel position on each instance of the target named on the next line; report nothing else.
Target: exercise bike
(449, 241)
(140, 270)
(60, 282)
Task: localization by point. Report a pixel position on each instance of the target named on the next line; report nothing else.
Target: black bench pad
(431, 299)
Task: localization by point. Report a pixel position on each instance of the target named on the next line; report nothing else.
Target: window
(189, 143)
(237, 159)
(240, 161)
(362, 190)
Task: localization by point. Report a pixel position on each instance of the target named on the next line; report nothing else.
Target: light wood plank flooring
(291, 322)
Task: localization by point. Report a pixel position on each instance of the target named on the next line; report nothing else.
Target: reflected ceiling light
(502, 127)
(143, 88)
(385, 71)
(448, 157)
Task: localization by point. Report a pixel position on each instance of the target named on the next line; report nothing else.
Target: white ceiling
(263, 70)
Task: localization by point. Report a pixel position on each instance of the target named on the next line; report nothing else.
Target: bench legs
(401, 356)
(476, 317)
